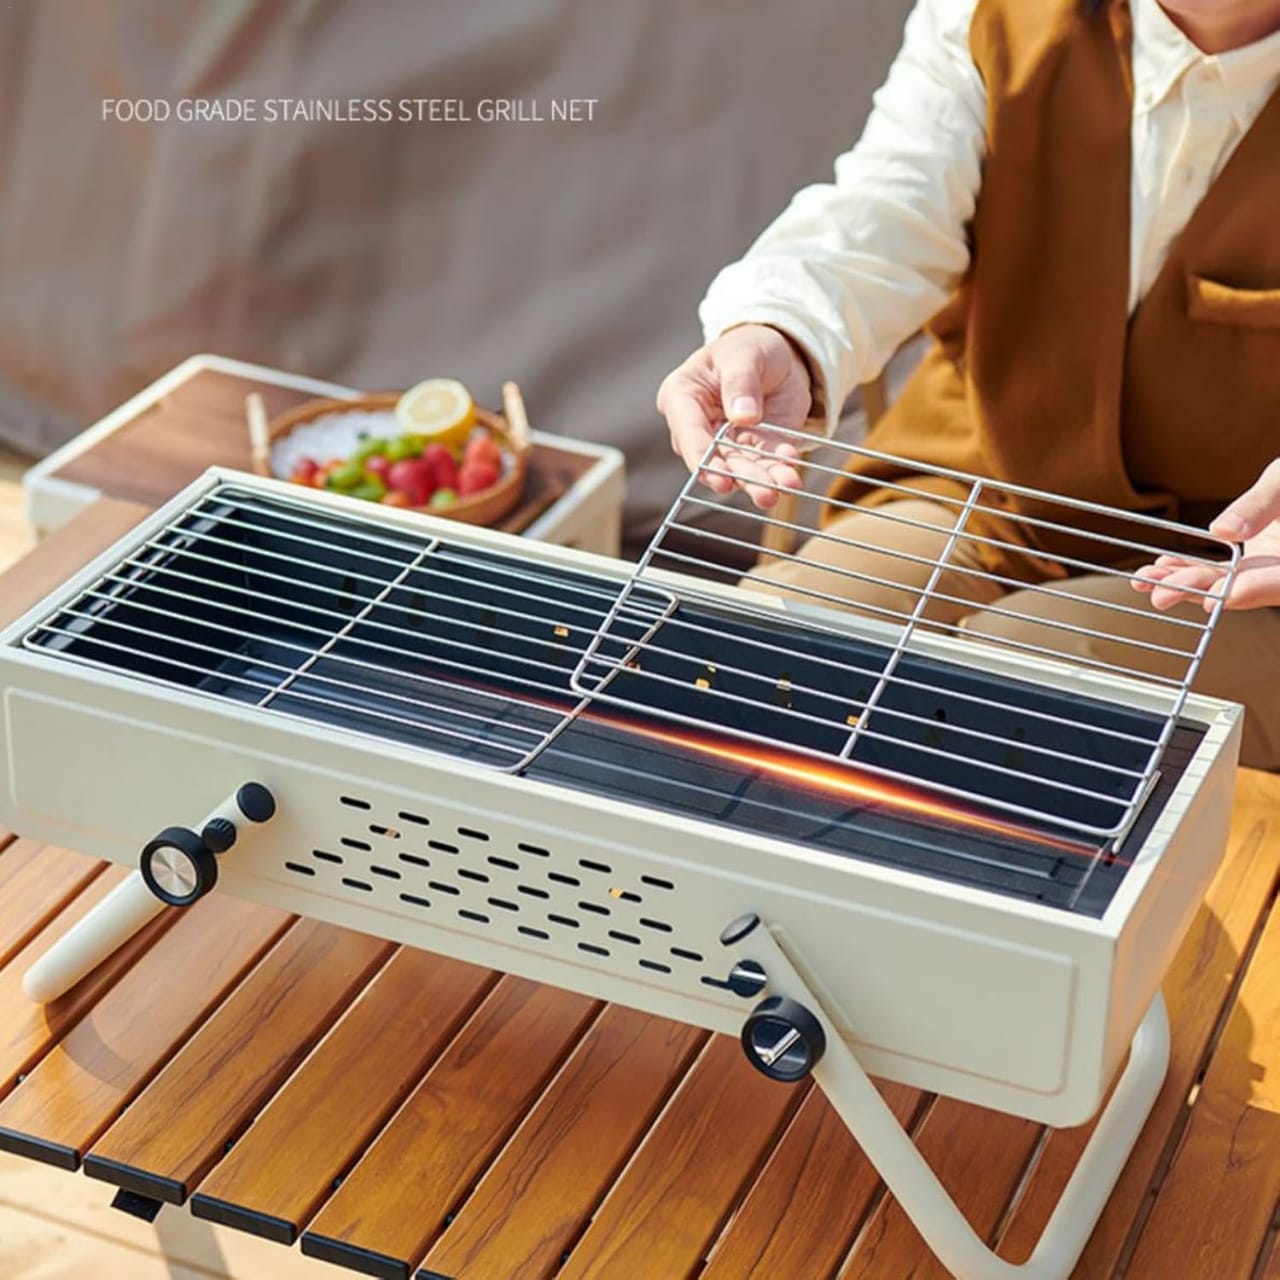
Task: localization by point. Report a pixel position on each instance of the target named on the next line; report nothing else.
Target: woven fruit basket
(342, 430)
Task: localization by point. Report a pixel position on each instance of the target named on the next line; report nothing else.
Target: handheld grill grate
(885, 710)
(973, 859)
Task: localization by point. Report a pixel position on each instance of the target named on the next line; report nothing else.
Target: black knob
(747, 979)
(178, 867)
(782, 1039)
(219, 834)
(256, 802)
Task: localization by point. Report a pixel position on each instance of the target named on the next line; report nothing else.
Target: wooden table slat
(663, 1214)
(803, 1212)
(64, 552)
(36, 882)
(176, 1130)
(398, 1198)
(539, 1194)
(311, 1132)
(980, 1156)
(1216, 1205)
(89, 1077)
(1196, 986)
(27, 1030)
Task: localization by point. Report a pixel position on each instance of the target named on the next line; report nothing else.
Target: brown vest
(1038, 376)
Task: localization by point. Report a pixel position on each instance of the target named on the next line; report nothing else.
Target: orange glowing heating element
(843, 780)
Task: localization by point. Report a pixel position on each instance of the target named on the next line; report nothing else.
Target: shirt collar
(1252, 71)
(1163, 53)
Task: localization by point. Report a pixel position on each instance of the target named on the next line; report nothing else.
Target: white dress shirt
(853, 268)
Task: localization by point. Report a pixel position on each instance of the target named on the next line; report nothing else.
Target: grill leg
(109, 925)
(913, 1183)
(133, 904)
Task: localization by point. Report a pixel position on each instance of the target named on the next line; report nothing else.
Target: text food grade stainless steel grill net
(862, 841)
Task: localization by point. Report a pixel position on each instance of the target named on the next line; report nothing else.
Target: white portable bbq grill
(860, 843)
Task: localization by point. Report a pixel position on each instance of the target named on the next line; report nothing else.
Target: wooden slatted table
(401, 1114)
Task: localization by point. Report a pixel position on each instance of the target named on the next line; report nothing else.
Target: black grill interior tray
(240, 629)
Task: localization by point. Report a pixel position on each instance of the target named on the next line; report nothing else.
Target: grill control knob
(219, 834)
(178, 867)
(782, 1039)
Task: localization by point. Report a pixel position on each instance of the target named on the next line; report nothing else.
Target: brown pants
(1242, 663)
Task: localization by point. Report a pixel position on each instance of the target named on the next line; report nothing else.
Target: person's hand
(1253, 519)
(747, 376)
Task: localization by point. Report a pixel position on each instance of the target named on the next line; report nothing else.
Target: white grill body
(1025, 1008)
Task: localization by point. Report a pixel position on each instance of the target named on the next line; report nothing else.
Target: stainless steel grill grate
(259, 601)
(889, 709)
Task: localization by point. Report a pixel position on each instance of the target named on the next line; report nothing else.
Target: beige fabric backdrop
(569, 256)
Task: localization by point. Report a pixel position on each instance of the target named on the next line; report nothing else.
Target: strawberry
(483, 448)
(475, 476)
(444, 469)
(414, 479)
(379, 465)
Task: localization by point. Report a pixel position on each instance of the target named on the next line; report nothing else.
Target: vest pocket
(1216, 303)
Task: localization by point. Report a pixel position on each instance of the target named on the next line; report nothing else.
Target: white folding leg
(913, 1183)
(109, 925)
(132, 904)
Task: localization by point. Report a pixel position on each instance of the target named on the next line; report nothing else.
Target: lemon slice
(440, 410)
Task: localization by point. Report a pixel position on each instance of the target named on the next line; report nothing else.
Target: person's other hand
(1252, 519)
(748, 376)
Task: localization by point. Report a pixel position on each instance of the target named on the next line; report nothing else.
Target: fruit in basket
(402, 447)
(346, 476)
(440, 410)
(413, 477)
(370, 449)
(442, 451)
(371, 489)
(482, 447)
(473, 477)
(444, 467)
